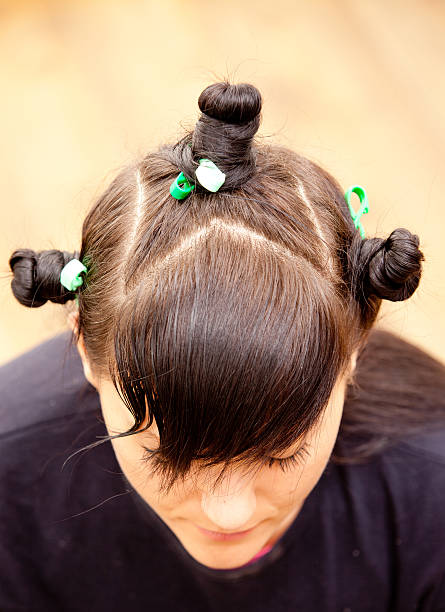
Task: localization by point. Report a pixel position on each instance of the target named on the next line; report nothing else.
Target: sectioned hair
(227, 316)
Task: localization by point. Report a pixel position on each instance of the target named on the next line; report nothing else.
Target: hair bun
(391, 268)
(231, 116)
(238, 103)
(37, 277)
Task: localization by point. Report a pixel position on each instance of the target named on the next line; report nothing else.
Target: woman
(270, 451)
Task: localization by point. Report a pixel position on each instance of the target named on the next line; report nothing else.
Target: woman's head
(266, 497)
(225, 323)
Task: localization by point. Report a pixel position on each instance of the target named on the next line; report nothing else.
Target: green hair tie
(180, 188)
(207, 174)
(364, 207)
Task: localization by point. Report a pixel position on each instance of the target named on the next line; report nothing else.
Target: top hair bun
(237, 103)
(224, 133)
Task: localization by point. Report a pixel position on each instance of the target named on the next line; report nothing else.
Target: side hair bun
(389, 269)
(37, 277)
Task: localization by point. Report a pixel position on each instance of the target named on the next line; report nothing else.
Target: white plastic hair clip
(209, 176)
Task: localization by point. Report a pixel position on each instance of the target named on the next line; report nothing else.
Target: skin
(268, 499)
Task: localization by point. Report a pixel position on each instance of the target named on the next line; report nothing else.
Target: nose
(231, 504)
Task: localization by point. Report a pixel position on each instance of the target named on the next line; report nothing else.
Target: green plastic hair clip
(180, 188)
(70, 276)
(364, 207)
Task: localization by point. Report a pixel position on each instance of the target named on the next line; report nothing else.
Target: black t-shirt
(77, 537)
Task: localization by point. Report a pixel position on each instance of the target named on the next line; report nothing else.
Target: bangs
(233, 364)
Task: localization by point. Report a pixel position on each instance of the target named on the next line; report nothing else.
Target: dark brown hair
(229, 316)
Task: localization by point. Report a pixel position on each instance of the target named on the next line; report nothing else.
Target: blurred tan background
(357, 86)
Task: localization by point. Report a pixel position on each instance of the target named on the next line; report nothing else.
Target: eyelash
(288, 462)
(285, 464)
(148, 454)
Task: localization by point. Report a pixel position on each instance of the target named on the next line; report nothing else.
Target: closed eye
(285, 463)
(288, 462)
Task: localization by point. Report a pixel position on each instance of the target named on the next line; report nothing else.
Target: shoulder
(47, 410)
(42, 384)
(428, 446)
(393, 436)
(48, 414)
(412, 474)
(415, 467)
(390, 509)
